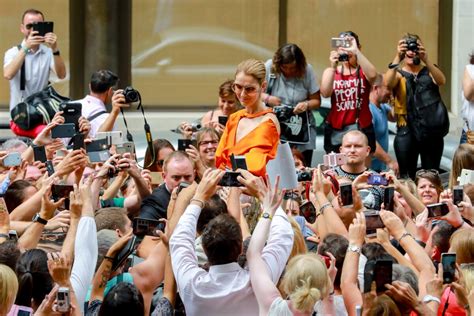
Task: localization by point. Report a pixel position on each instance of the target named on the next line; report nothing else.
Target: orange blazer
(259, 146)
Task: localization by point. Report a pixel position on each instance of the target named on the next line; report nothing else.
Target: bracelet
(201, 202)
(56, 53)
(393, 66)
(109, 258)
(323, 207)
(403, 236)
(25, 49)
(307, 105)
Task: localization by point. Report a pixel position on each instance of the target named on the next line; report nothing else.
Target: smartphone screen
(222, 120)
(61, 190)
(372, 222)
(78, 141)
(346, 194)
(64, 131)
(184, 144)
(230, 179)
(388, 195)
(458, 195)
(147, 227)
(97, 145)
(238, 162)
(437, 210)
(308, 210)
(383, 274)
(376, 179)
(448, 260)
(39, 152)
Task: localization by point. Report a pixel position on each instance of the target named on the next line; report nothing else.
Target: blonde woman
(8, 289)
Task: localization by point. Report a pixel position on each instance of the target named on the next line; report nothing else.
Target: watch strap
(39, 219)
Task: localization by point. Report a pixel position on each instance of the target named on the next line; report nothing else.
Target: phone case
(64, 131)
(39, 153)
(98, 156)
(12, 160)
(97, 145)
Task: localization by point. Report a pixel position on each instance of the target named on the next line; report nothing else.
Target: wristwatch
(354, 248)
(430, 298)
(266, 216)
(37, 218)
(57, 53)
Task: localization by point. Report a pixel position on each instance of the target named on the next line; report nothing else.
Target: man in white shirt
(101, 90)
(40, 55)
(226, 288)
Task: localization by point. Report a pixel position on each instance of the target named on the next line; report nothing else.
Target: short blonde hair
(8, 288)
(254, 68)
(462, 243)
(299, 245)
(306, 281)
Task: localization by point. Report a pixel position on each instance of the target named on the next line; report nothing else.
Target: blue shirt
(380, 121)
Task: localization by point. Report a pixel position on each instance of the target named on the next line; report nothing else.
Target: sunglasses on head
(422, 172)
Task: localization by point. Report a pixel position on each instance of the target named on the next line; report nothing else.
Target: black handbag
(39, 108)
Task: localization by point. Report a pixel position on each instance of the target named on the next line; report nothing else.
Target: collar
(91, 99)
(225, 268)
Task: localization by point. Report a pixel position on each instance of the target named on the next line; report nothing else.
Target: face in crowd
(354, 145)
(227, 104)
(178, 170)
(247, 89)
(28, 21)
(207, 147)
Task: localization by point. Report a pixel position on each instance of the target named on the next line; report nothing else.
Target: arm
(383, 239)
(50, 39)
(118, 101)
(327, 81)
(13, 66)
(468, 86)
(391, 76)
(114, 187)
(369, 69)
(435, 72)
(382, 155)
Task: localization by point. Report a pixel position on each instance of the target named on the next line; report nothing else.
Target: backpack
(426, 112)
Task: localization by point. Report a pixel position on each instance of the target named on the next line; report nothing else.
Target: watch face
(265, 215)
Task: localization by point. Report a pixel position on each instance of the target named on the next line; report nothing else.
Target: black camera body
(412, 44)
(343, 57)
(303, 176)
(131, 95)
(283, 112)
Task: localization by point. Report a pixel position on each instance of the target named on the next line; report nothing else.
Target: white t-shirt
(467, 111)
(38, 66)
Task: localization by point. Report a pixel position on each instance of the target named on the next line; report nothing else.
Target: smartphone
(388, 195)
(43, 27)
(156, 177)
(383, 274)
(184, 144)
(78, 141)
(448, 260)
(71, 112)
(340, 42)
(332, 160)
(458, 194)
(113, 138)
(182, 185)
(124, 253)
(61, 190)
(222, 120)
(230, 179)
(63, 303)
(64, 131)
(12, 159)
(39, 153)
(13, 235)
(372, 222)
(308, 210)
(98, 156)
(49, 167)
(97, 145)
(345, 190)
(127, 147)
(238, 162)
(376, 179)
(147, 227)
(466, 177)
(437, 210)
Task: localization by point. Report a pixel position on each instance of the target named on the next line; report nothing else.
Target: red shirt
(344, 100)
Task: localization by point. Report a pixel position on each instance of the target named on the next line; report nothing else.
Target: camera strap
(22, 73)
(149, 138)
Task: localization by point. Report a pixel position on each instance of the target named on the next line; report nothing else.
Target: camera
(343, 57)
(113, 172)
(196, 126)
(62, 299)
(302, 176)
(412, 44)
(283, 112)
(131, 95)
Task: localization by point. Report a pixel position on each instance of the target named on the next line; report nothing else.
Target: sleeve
(151, 208)
(279, 245)
(387, 108)
(268, 69)
(183, 256)
(312, 83)
(85, 258)
(9, 55)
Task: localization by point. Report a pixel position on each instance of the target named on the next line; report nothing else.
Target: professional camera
(303, 176)
(412, 44)
(343, 57)
(131, 95)
(113, 172)
(283, 112)
(195, 126)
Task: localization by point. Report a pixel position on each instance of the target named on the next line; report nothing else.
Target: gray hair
(105, 239)
(13, 143)
(405, 274)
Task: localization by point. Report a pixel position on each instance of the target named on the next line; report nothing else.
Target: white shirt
(38, 66)
(467, 111)
(226, 288)
(90, 106)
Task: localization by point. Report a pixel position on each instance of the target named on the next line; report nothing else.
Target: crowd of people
(205, 230)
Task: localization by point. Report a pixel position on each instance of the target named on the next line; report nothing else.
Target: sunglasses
(237, 88)
(422, 172)
(29, 26)
(208, 142)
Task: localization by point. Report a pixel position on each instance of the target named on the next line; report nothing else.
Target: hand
(393, 223)
(360, 182)
(320, 183)
(50, 39)
(466, 209)
(40, 165)
(48, 206)
(252, 184)
(423, 225)
(118, 101)
(354, 49)
(357, 232)
(334, 59)
(186, 130)
(332, 270)
(208, 185)
(74, 160)
(84, 126)
(435, 286)
(75, 204)
(129, 165)
(44, 137)
(46, 307)
(274, 101)
(461, 293)
(61, 220)
(382, 237)
(4, 217)
(453, 217)
(403, 294)
(18, 172)
(108, 165)
(33, 40)
(52, 147)
(59, 267)
(119, 244)
(85, 190)
(422, 52)
(301, 107)
(401, 49)
(271, 197)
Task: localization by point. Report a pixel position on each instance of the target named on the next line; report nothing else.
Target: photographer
(421, 115)
(291, 81)
(347, 82)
